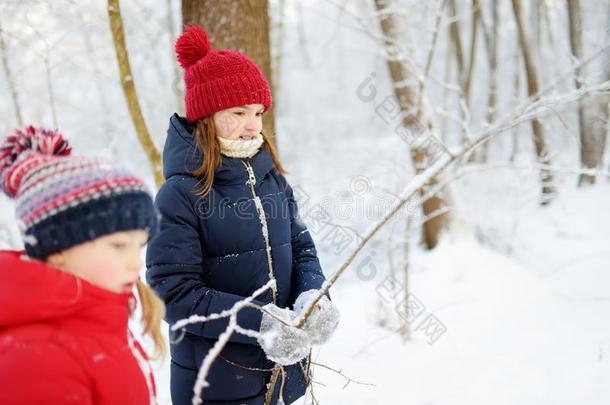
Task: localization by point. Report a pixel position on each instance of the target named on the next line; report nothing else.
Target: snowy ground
(527, 329)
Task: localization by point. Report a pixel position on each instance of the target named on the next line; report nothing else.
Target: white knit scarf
(239, 148)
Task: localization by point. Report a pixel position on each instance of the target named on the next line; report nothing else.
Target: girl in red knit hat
(230, 225)
(65, 301)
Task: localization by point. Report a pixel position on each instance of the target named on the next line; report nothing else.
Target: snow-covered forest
(449, 158)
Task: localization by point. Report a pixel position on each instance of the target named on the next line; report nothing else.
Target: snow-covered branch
(223, 339)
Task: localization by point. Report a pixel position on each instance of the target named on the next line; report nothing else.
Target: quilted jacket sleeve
(306, 270)
(174, 270)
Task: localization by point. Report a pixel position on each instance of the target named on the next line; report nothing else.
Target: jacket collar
(181, 157)
(32, 291)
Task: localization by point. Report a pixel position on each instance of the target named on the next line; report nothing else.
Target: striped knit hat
(63, 200)
(217, 79)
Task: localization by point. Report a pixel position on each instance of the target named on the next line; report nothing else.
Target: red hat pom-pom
(191, 46)
(24, 141)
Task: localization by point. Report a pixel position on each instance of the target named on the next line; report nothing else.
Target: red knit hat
(217, 79)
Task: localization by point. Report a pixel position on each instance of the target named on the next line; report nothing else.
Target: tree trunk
(242, 25)
(465, 70)
(604, 104)
(517, 94)
(474, 24)
(406, 329)
(456, 41)
(540, 145)
(129, 90)
(406, 88)
(592, 128)
(491, 44)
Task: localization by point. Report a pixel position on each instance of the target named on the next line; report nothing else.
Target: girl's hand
(323, 320)
(282, 343)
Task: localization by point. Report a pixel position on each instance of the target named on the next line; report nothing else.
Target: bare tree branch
(340, 372)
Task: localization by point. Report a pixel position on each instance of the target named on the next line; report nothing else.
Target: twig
(340, 372)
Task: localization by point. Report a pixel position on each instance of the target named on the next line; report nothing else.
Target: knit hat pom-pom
(24, 141)
(191, 46)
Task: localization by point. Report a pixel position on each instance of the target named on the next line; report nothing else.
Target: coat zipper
(261, 216)
(144, 367)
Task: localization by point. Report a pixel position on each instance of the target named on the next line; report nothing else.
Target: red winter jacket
(65, 341)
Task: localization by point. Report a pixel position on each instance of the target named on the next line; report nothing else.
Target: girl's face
(244, 122)
(111, 262)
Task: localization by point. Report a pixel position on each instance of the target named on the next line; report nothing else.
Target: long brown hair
(207, 142)
(153, 311)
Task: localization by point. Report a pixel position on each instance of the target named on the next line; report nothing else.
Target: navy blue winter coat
(210, 253)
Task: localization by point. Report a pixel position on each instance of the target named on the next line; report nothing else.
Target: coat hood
(181, 156)
(32, 291)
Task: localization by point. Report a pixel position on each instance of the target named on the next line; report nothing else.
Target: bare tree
(516, 92)
(474, 24)
(604, 106)
(535, 18)
(456, 41)
(242, 25)
(465, 69)
(129, 90)
(540, 142)
(490, 34)
(407, 89)
(405, 330)
(592, 128)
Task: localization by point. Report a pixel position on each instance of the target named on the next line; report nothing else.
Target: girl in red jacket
(65, 301)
